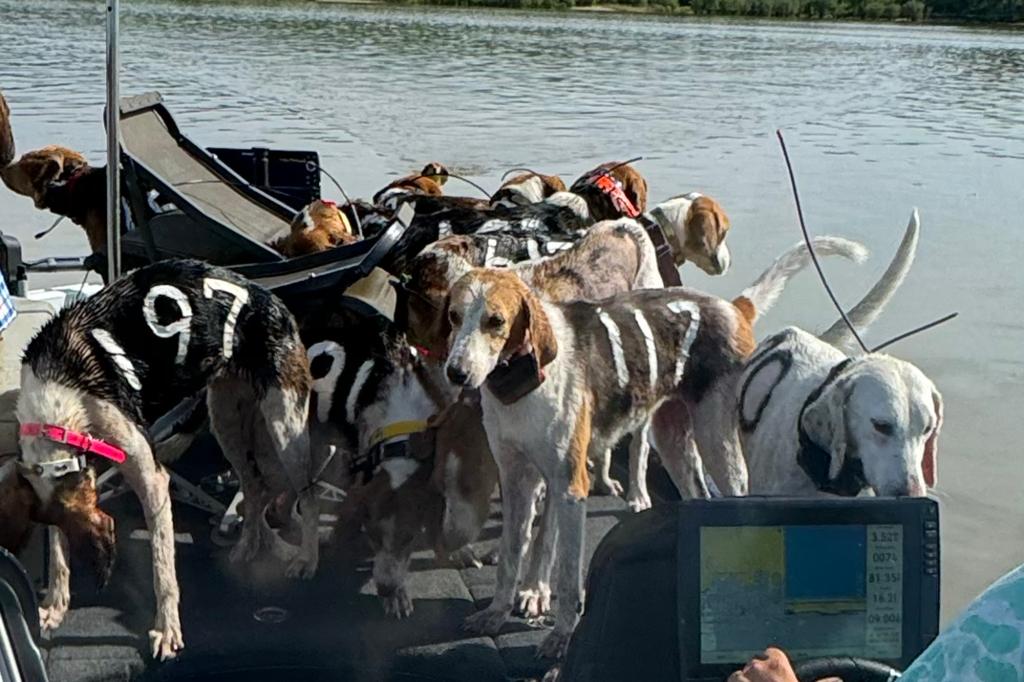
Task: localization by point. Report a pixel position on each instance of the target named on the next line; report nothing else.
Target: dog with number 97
(96, 375)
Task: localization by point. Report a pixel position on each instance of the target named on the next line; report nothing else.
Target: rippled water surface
(878, 118)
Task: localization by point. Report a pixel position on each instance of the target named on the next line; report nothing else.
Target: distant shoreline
(811, 11)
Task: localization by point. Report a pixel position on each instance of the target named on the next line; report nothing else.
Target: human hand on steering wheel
(771, 666)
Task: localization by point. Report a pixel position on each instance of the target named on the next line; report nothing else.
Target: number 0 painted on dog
(240, 296)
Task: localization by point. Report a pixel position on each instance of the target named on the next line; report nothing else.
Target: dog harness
(388, 442)
(81, 441)
(769, 356)
(612, 187)
(815, 459)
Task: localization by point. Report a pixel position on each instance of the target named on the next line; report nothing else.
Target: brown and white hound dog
(562, 383)
(527, 188)
(427, 182)
(627, 198)
(317, 227)
(614, 257)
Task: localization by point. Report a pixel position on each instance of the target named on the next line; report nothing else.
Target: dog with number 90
(106, 367)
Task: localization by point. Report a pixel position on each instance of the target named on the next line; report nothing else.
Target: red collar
(80, 441)
(611, 186)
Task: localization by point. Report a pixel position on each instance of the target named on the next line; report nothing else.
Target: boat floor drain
(271, 614)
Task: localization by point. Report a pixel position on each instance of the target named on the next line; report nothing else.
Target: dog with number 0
(105, 367)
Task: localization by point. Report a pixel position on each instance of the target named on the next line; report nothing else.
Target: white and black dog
(816, 421)
(96, 375)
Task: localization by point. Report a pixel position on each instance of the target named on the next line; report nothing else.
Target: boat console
(692, 591)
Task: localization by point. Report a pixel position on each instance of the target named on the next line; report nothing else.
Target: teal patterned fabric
(985, 644)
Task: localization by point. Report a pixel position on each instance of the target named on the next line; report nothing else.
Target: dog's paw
(534, 602)
(638, 500)
(554, 645)
(166, 643)
(397, 604)
(486, 622)
(302, 568)
(51, 615)
(608, 486)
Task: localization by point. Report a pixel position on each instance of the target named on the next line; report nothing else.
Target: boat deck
(333, 620)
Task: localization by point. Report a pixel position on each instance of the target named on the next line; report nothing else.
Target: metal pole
(113, 146)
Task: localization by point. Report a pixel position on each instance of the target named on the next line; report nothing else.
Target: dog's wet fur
(100, 367)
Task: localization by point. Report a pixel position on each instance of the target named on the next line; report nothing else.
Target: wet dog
(104, 368)
(57, 179)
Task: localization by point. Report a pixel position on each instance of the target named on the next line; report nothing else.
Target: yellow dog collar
(397, 429)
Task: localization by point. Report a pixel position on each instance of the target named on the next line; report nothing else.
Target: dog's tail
(647, 274)
(759, 297)
(871, 306)
(6, 134)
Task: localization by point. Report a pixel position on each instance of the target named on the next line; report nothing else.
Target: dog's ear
(554, 183)
(541, 335)
(637, 192)
(929, 463)
(49, 169)
(824, 421)
(443, 327)
(18, 506)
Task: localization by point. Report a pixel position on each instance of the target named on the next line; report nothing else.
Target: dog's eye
(495, 321)
(454, 317)
(884, 428)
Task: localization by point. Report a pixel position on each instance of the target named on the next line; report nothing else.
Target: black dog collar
(663, 250)
(515, 377)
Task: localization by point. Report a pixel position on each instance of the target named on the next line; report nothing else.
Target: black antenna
(915, 330)
(620, 164)
(810, 246)
(510, 171)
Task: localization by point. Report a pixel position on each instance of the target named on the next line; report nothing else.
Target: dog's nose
(457, 376)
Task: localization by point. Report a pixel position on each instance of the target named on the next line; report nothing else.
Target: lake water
(879, 119)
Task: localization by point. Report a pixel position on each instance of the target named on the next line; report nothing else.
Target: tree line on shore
(905, 10)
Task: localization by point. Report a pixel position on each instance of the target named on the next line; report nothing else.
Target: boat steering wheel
(846, 668)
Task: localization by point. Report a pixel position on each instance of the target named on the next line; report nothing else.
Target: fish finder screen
(811, 590)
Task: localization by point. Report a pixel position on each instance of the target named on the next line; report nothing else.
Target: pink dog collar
(80, 441)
